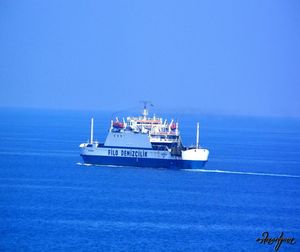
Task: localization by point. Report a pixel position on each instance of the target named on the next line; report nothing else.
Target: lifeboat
(118, 125)
(173, 126)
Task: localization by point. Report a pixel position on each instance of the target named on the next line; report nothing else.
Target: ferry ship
(144, 142)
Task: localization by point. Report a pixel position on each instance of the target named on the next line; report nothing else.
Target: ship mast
(145, 110)
(197, 136)
(92, 130)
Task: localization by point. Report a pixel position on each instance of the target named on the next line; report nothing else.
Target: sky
(220, 57)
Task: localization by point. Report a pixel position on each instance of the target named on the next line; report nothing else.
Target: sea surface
(49, 201)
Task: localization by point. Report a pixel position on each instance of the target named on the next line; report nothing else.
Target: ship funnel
(92, 130)
(197, 136)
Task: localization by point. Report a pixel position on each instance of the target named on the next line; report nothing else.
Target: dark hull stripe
(143, 162)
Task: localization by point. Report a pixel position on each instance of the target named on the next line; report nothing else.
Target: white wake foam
(245, 173)
(78, 163)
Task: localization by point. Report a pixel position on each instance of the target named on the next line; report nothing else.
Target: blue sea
(49, 201)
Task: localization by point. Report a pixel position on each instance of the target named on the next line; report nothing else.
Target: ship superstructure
(144, 142)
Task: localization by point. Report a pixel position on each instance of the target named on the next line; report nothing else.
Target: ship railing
(159, 147)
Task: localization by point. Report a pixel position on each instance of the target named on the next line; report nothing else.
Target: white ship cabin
(159, 131)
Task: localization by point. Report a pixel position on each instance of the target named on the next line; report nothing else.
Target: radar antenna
(145, 110)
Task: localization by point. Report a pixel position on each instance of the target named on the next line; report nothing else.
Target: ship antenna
(92, 129)
(145, 110)
(197, 136)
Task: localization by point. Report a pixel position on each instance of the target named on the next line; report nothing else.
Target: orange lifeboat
(173, 126)
(118, 125)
